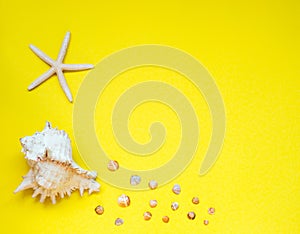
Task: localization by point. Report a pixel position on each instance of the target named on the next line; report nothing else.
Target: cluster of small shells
(53, 173)
(124, 201)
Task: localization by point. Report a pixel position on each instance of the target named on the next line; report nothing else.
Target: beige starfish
(57, 66)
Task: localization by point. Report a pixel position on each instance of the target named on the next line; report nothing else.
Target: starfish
(57, 66)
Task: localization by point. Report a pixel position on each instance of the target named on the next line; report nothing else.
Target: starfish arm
(41, 79)
(42, 55)
(64, 85)
(63, 48)
(76, 67)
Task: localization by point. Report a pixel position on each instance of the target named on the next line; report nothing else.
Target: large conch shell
(52, 170)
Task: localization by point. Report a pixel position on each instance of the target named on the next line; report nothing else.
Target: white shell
(119, 221)
(123, 200)
(174, 205)
(152, 184)
(112, 165)
(153, 203)
(176, 189)
(52, 141)
(135, 180)
(53, 172)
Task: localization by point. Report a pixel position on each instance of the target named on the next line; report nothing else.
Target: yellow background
(251, 49)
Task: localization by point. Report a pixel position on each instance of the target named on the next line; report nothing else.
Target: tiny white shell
(112, 165)
(191, 215)
(147, 215)
(153, 203)
(119, 221)
(211, 210)
(174, 205)
(176, 189)
(152, 184)
(123, 200)
(135, 180)
(99, 210)
(195, 200)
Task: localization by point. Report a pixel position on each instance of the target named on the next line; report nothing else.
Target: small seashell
(174, 205)
(191, 215)
(135, 180)
(152, 184)
(153, 203)
(176, 189)
(147, 215)
(99, 210)
(123, 200)
(205, 222)
(119, 222)
(52, 171)
(195, 200)
(165, 219)
(112, 165)
(211, 210)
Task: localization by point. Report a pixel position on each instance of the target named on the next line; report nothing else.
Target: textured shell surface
(52, 171)
(51, 141)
